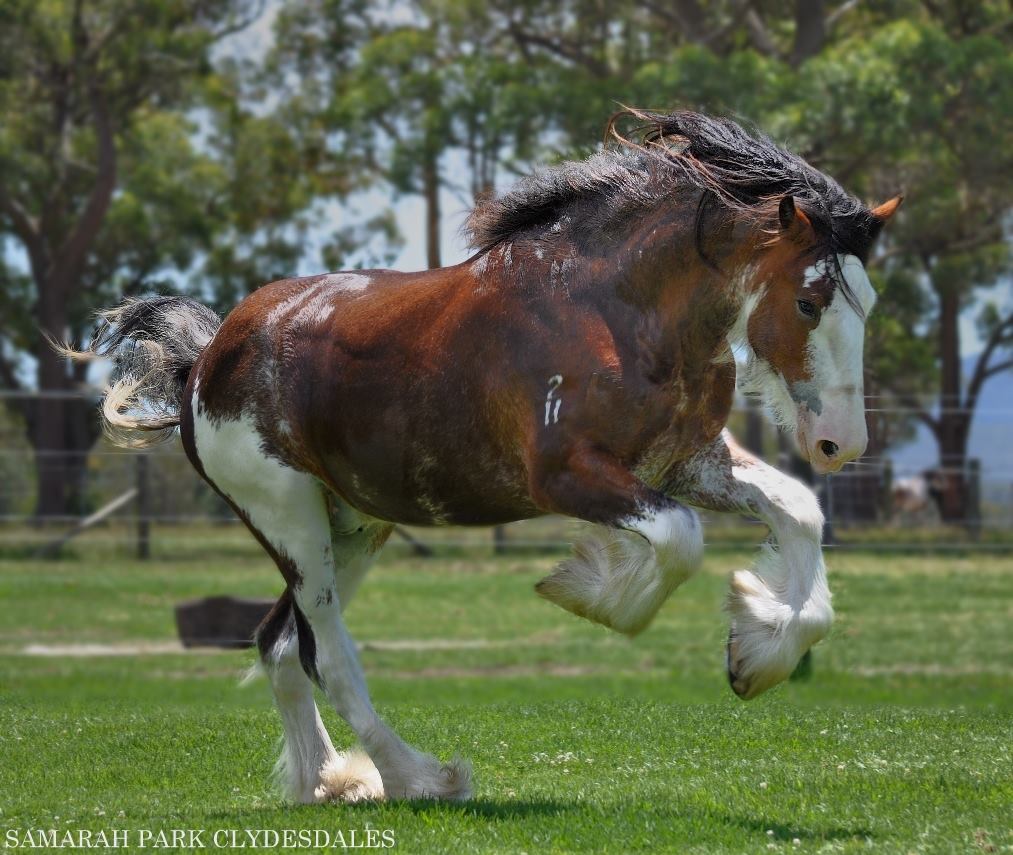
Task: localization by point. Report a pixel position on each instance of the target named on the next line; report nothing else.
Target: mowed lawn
(581, 740)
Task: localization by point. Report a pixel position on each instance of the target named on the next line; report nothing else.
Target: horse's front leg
(781, 607)
(645, 544)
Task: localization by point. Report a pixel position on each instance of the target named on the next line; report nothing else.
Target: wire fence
(166, 510)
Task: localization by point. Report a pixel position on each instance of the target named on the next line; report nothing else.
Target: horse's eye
(808, 309)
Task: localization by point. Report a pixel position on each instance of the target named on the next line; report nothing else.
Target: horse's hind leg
(309, 769)
(288, 512)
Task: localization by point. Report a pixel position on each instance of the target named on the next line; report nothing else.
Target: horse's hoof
(733, 667)
(349, 778)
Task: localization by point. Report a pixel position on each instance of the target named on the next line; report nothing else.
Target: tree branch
(23, 226)
(839, 13)
(72, 252)
(999, 368)
(982, 369)
(687, 20)
(919, 412)
(562, 48)
(240, 24)
(759, 35)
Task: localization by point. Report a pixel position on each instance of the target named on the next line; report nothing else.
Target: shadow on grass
(477, 808)
(510, 809)
(497, 808)
(783, 831)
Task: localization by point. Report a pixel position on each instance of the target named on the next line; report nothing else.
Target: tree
(927, 107)
(125, 161)
(399, 93)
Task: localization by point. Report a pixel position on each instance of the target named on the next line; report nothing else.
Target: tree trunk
(48, 422)
(810, 30)
(61, 428)
(952, 431)
(431, 193)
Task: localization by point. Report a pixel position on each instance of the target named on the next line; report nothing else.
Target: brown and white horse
(581, 363)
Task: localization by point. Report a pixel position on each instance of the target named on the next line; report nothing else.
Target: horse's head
(804, 322)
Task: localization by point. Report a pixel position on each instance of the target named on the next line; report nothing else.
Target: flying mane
(743, 173)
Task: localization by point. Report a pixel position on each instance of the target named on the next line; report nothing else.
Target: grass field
(581, 741)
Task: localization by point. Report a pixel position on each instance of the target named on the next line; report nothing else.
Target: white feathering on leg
(350, 777)
(620, 578)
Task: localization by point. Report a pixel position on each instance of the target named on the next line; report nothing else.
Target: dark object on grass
(804, 669)
(220, 621)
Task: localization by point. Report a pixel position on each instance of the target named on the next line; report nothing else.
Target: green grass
(581, 740)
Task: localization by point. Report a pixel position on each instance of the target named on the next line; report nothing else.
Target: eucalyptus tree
(127, 164)
(425, 96)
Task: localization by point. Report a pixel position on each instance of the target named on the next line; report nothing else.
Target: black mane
(739, 171)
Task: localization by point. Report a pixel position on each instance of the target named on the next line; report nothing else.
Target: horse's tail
(153, 344)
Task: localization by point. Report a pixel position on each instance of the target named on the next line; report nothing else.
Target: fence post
(973, 513)
(886, 494)
(754, 427)
(143, 507)
(499, 539)
(829, 538)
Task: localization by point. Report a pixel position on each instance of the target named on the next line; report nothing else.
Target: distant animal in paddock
(580, 363)
(918, 497)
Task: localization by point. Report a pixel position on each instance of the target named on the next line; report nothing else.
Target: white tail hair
(153, 343)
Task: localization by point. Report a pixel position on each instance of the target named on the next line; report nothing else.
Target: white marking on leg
(621, 576)
(781, 606)
(309, 770)
(288, 508)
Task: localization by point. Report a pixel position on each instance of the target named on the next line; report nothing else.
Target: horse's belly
(450, 486)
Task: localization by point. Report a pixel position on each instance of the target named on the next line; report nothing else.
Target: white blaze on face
(832, 405)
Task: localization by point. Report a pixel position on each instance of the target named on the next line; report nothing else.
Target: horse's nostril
(828, 448)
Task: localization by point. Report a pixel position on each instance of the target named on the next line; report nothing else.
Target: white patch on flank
(316, 309)
(346, 281)
(539, 252)
(315, 301)
(552, 405)
(437, 510)
(292, 302)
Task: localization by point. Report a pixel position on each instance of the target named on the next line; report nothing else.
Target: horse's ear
(888, 209)
(791, 217)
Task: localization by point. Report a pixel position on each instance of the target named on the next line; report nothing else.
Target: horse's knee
(676, 535)
(621, 576)
(799, 512)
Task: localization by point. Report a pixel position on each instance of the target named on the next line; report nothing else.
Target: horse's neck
(691, 301)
